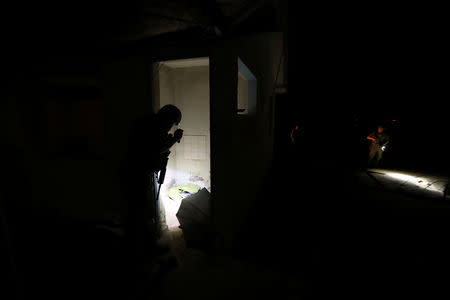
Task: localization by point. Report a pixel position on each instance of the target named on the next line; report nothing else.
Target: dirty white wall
(188, 89)
(242, 145)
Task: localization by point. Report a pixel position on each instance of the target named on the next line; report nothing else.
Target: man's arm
(171, 140)
(371, 137)
(167, 144)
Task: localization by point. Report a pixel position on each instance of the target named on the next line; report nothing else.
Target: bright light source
(383, 148)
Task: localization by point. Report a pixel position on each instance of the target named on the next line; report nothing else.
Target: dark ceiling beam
(245, 14)
(153, 30)
(164, 18)
(172, 18)
(209, 15)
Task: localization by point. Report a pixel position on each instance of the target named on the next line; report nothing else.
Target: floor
(387, 250)
(397, 239)
(204, 276)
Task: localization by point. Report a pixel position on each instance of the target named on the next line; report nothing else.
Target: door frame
(179, 54)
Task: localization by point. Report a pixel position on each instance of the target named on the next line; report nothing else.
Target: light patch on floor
(432, 184)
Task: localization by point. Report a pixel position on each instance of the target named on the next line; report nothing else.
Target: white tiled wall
(188, 89)
(194, 147)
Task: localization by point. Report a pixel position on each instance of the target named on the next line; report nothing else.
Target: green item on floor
(175, 192)
(190, 188)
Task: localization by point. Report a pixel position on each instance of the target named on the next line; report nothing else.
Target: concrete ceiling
(97, 22)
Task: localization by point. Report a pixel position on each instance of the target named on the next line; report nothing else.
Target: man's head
(380, 129)
(169, 115)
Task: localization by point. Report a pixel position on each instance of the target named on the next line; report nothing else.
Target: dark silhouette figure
(148, 150)
(295, 135)
(379, 140)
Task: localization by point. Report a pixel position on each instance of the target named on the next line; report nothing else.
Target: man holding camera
(148, 151)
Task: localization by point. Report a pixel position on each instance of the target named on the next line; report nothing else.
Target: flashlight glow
(434, 185)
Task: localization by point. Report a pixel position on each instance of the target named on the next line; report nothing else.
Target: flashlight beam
(410, 181)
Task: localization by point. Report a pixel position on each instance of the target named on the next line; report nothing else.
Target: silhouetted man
(297, 147)
(379, 140)
(148, 150)
(295, 135)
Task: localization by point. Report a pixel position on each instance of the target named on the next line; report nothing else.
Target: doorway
(185, 84)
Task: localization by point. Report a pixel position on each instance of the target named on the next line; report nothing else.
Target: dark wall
(70, 117)
(375, 63)
(60, 158)
(350, 68)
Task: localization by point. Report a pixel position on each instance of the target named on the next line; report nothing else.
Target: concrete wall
(188, 89)
(72, 139)
(242, 145)
(242, 102)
